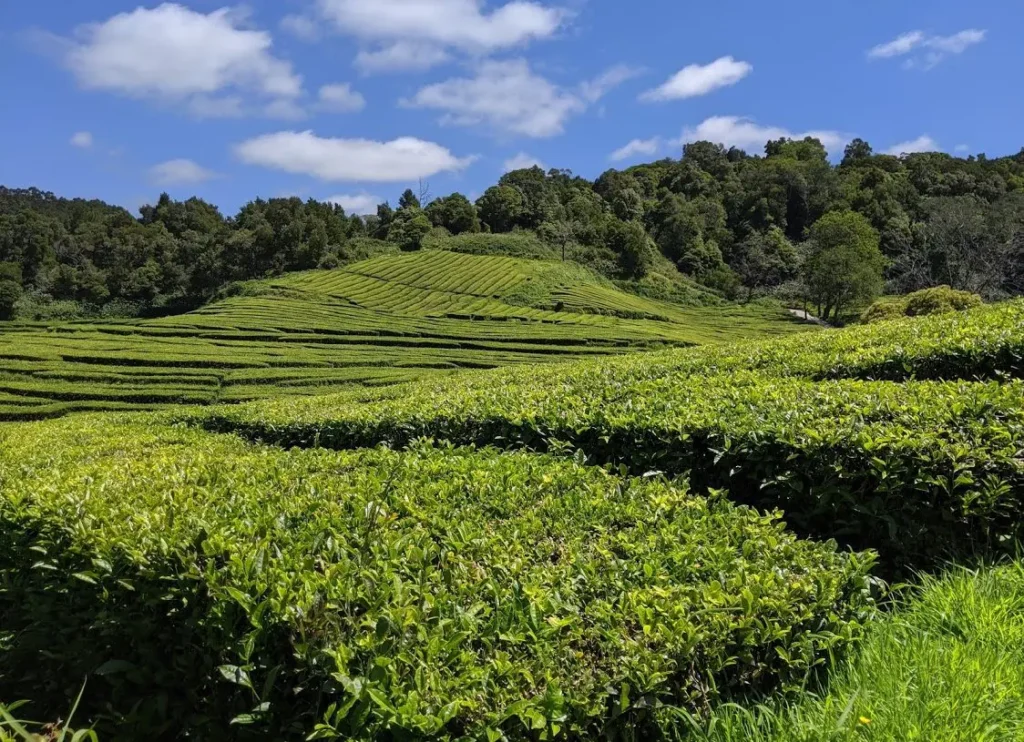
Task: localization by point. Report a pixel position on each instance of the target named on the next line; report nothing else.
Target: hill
(376, 322)
(616, 546)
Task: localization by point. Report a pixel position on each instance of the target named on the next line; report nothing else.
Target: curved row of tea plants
(373, 323)
(919, 470)
(436, 593)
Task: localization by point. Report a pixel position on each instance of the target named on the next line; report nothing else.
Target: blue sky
(358, 99)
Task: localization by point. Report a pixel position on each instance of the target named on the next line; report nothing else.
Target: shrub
(437, 593)
(938, 300)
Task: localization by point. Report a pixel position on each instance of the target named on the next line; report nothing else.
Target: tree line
(787, 221)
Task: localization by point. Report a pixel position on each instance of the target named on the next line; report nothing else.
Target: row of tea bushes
(918, 470)
(440, 592)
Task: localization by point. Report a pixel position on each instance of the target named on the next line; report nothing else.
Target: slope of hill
(377, 322)
(347, 567)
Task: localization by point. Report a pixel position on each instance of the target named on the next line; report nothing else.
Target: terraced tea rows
(434, 593)
(918, 470)
(383, 321)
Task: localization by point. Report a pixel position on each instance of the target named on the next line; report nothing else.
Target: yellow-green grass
(948, 666)
(382, 321)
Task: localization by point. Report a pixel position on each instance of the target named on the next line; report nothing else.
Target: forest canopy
(789, 220)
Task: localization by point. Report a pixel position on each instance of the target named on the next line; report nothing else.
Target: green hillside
(386, 320)
(644, 546)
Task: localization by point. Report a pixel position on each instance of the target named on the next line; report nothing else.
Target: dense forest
(788, 222)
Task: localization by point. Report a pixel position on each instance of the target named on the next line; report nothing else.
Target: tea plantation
(692, 543)
(379, 322)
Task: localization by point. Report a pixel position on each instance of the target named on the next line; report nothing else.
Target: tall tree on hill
(501, 207)
(454, 213)
(844, 265)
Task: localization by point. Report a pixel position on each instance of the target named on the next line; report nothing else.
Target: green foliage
(408, 228)
(845, 265)
(10, 293)
(436, 593)
(501, 208)
(938, 300)
(454, 213)
(917, 470)
(945, 667)
(512, 245)
(396, 317)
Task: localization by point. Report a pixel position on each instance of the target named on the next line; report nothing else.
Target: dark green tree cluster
(177, 253)
(740, 224)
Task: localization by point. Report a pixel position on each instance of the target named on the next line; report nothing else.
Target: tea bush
(438, 593)
(938, 300)
(919, 470)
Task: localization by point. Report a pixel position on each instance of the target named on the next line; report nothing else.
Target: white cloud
(736, 131)
(401, 56)
(962, 148)
(285, 109)
(213, 107)
(637, 147)
(302, 152)
(357, 203)
(82, 139)
(341, 98)
(927, 51)
(923, 143)
(695, 80)
(462, 24)
(594, 90)
(179, 172)
(957, 43)
(301, 26)
(523, 161)
(511, 99)
(899, 46)
(173, 54)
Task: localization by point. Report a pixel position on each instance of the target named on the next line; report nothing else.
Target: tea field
(383, 321)
(692, 543)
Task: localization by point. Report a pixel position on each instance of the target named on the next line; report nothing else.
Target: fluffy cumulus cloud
(523, 161)
(341, 98)
(747, 134)
(304, 153)
(357, 203)
(82, 139)
(401, 56)
(695, 80)
(509, 98)
(923, 143)
(174, 54)
(179, 172)
(463, 24)
(925, 52)
(636, 147)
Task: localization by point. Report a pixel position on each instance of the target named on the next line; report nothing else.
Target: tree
(766, 259)
(10, 292)
(454, 213)
(856, 152)
(844, 265)
(500, 207)
(385, 215)
(408, 228)
(679, 232)
(630, 242)
(408, 200)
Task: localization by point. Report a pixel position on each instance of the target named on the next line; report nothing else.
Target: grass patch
(947, 666)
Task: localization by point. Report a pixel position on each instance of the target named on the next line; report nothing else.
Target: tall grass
(947, 666)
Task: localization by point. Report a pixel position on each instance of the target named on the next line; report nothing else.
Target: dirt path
(808, 317)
